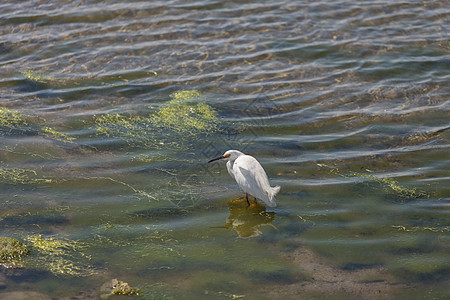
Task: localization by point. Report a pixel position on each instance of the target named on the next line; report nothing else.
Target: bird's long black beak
(217, 158)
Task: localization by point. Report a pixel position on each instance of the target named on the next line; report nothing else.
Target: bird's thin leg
(246, 197)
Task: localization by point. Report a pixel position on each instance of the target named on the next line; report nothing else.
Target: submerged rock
(123, 288)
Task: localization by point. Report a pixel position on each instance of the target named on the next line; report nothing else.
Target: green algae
(390, 185)
(56, 135)
(16, 175)
(21, 176)
(10, 120)
(59, 255)
(134, 131)
(165, 128)
(113, 125)
(51, 246)
(33, 76)
(137, 192)
(186, 118)
(186, 114)
(422, 228)
(185, 95)
(13, 121)
(12, 250)
(36, 77)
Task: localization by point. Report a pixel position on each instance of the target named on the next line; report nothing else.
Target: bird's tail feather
(275, 190)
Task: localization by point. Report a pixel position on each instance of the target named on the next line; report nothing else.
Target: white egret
(250, 176)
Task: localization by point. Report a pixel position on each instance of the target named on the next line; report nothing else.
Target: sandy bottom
(327, 281)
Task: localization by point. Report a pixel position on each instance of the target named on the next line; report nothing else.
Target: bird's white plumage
(250, 176)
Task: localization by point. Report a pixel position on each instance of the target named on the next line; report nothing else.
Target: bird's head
(229, 155)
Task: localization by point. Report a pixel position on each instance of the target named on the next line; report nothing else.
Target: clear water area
(110, 111)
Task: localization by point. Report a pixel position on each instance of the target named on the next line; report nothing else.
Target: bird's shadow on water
(245, 218)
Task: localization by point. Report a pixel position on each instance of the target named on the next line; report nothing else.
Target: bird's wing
(254, 174)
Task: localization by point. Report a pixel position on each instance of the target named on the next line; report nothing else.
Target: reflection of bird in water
(246, 219)
(250, 176)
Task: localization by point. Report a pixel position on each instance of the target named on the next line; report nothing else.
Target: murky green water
(110, 111)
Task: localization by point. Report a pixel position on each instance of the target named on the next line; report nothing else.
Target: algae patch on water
(21, 176)
(390, 185)
(56, 135)
(186, 113)
(167, 127)
(10, 120)
(11, 250)
(59, 256)
(36, 77)
(132, 130)
(55, 255)
(50, 245)
(15, 122)
(16, 175)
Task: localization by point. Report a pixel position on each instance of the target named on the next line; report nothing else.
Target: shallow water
(110, 111)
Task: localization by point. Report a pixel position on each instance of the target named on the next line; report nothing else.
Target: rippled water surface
(110, 110)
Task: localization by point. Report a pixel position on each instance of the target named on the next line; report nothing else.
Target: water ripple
(335, 98)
